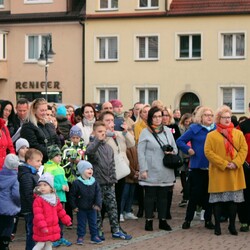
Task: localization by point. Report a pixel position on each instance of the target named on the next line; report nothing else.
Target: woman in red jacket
(6, 145)
(47, 210)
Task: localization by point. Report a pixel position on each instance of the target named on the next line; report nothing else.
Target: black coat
(40, 137)
(28, 179)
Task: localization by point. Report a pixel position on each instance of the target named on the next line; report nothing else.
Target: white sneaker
(202, 215)
(121, 218)
(130, 216)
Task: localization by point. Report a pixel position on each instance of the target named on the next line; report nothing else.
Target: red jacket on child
(46, 218)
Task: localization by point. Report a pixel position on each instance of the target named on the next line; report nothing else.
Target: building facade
(26, 27)
(185, 53)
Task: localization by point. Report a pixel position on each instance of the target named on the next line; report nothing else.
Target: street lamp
(46, 54)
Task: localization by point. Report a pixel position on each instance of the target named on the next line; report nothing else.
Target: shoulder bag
(170, 160)
(245, 164)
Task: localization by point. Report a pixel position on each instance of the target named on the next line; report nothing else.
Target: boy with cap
(10, 197)
(53, 167)
(47, 210)
(22, 145)
(85, 199)
(73, 152)
(28, 178)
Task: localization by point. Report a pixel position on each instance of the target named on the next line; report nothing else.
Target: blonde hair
(221, 110)
(138, 119)
(200, 112)
(170, 113)
(33, 107)
(158, 103)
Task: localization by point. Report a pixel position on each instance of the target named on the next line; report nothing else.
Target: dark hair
(98, 124)
(184, 117)
(106, 112)
(78, 111)
(151, 113)
(88, 105)
(22, 101)
(12, 113)
(31, 152)
(49, 107)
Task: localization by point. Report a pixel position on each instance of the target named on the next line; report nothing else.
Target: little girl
(47, 210)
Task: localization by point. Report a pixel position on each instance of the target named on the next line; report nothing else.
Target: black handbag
(245, 165)
(170, 160)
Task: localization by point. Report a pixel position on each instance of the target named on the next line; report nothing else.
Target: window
(108, 4)
(37, 1)
(35, 43)
(3, 46)
(106, 94)
(233, 45)
(1, 3)
(148, 3)
(107, 48)
(234, 98)
(189, 46)
(147, 47)
(147, 95)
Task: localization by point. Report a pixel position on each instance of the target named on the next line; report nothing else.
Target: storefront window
(55, 97)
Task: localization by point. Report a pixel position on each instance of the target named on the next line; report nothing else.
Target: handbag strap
(157, 139)
(229, 142)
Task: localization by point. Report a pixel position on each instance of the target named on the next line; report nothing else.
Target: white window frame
(137, 47)
(233, 87)
(3, 46)
(109, 8)
(147, 88)
(221, 44)
(40, 48)
(106, 88)
(190, 50)
(97, 48)
(149, 6)
(2, 4)
(37, 1)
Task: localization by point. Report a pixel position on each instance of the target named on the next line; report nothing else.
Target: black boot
(217, 214)
(164, 225)
(149, 225)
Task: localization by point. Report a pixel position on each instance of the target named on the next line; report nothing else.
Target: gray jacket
(150, 157)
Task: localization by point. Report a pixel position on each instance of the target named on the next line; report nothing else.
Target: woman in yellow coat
(226, 150)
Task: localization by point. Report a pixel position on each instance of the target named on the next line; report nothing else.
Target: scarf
(156, 129)
(209, 128)
(227, 131)
(87, 122)
(87, 182)
(50, 198)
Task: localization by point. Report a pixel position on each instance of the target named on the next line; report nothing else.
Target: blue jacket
(196, 134)
(9, 192)
(84, 196)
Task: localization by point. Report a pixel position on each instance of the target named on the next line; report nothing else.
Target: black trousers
(155, 195)
(198, 181)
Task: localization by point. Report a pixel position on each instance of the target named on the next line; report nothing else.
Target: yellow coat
(222, 179)
(138, 127)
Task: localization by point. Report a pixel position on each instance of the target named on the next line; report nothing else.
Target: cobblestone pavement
(197, 237)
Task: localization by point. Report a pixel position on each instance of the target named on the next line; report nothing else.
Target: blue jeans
(127, 197)
(84, 216)
(30, 243)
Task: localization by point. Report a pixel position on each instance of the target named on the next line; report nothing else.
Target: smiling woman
(39, 133)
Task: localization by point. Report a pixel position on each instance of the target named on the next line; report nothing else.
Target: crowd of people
(61, 165)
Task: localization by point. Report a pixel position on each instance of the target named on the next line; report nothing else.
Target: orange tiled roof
(197, 7)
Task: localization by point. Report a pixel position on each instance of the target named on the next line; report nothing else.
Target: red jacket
(46, 218)
(5, 143)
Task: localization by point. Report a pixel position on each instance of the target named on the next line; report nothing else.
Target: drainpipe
(83, 61)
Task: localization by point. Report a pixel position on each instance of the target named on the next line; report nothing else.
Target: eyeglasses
(225, 117)
(167, 115)
(208, 115)
(157, 116)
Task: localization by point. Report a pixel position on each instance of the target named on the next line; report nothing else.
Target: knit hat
(116, 103)
(61, 111)
(83, 165)
(53, 151)
(75, 131)
(48, 178)
(21, 142)
(11, 161)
